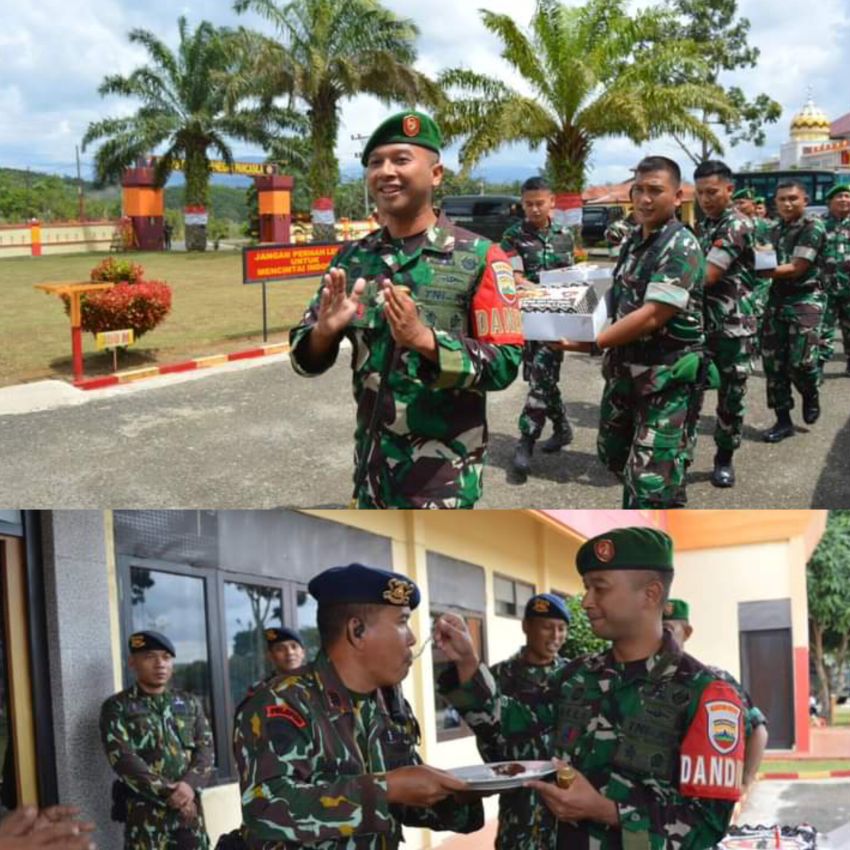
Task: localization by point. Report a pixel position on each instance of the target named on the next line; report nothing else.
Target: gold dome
(810, 124)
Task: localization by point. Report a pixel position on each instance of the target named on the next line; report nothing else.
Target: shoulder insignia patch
(505, 280)
(285, 712)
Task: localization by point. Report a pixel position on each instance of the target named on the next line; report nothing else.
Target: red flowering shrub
(140, 306)
(117, 271)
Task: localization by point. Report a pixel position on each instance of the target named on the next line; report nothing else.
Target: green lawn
(212, 312)
(803, 765)
(842, 715)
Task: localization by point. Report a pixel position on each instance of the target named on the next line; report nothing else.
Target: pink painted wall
(591, 523)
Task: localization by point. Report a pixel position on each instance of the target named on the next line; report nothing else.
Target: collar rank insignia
(398, 592)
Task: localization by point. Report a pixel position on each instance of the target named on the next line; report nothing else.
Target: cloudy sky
(54, 54)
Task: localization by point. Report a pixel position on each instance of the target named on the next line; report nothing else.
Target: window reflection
(306, 613)
(176, 606)
(249, 609)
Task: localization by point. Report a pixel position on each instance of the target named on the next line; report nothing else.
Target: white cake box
(579, 327)
(765, 260)
(582, 273)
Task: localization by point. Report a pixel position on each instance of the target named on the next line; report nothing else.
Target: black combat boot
(811, 408)
(561, 436)
(724, 473)
(783, 427)
(522, 456)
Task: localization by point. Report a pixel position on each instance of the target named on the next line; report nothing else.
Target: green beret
(676, 609)
(760, 199)
(744, 195)
(836, 189)
(405, 128)
(626, 549)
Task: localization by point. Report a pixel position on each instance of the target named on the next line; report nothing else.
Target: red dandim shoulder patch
(285, 712)
(712, 756)
(495, 309)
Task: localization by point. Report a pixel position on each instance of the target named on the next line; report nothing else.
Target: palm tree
(593, 72)
(329, 51)
(184, 106)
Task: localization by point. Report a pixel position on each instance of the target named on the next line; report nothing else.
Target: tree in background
(580, 638)
(184, 106)
(829, 604)
(327, 52)
(723, 40)
(591, 72)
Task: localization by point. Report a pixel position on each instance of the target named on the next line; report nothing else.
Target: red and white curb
(197, 363)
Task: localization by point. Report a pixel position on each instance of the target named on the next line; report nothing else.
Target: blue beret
(144, 641)
(626, 549)
(276, 634)
(548, 605)
(365, 585)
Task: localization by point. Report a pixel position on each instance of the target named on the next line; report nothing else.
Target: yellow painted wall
(58, 238)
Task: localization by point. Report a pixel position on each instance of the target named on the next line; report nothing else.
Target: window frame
(514, 581)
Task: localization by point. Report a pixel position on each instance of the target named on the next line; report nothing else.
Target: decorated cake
(578, 298)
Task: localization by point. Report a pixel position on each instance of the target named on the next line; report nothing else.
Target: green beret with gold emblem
(405, 128)
(676, 609)
(837, 189)
(626, 549)
(745, 194)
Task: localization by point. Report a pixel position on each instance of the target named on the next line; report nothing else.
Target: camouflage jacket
(525, 823)
(755, 716)
(154, 741)
(429, 435)
(663, 738)
(763, 229)
(676, 278)
(552, 248)
(835, 258)
(312, 761)
(801, 239)
(619, 230)
(728, 242)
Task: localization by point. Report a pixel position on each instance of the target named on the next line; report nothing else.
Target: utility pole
(359, 154)
(81, 204)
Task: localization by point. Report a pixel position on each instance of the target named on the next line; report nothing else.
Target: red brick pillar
(274, 198)
(144, 204)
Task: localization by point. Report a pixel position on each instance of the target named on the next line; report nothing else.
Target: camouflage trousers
(541, 368)
(156, 827)
(757, 300)
(790, 345)
(733, 357)
(837, 309)
(525, 823)
(644, 440)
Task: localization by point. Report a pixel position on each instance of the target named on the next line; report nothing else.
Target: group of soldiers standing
(651, 747)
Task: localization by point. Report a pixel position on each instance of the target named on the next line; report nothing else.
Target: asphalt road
(261, 436)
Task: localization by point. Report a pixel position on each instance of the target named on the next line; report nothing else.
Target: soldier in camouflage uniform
(431, 311)
(653, 362)
(524, 822)
(676, 620)
(159, 743)
(763, 222)
(794, 312)
(534, 245)
(326, 755)
(655, 739)
(619, 230)
(836, 273)
(727, 240)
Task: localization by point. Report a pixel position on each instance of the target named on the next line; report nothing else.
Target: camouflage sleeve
(680, 269)
(695, 814)
(504, 727)
(730, 243)
(490, 358)
(811, 241)
(200, 769)
(298, 335)
(508, 241)
(131, 769)
(291, 792)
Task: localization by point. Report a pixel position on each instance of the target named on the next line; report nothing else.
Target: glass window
(249, 609)
(306, 619)
(510, 596)
(449, 724)
(176, 606)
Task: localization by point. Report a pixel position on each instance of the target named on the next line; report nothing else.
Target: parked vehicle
(595, 221)
(487, 215)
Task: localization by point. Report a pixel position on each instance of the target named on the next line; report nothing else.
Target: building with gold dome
(815, 142)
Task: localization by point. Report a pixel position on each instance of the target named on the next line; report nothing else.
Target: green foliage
(723, 40)
(581, 640)
(326, 52)
(30, 194)
(593, 71)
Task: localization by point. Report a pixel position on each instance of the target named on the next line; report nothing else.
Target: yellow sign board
(219, 166)
(114, 339)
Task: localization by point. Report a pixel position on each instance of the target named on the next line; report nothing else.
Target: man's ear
(354, 631)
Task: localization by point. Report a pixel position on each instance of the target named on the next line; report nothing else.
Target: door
(767, 671)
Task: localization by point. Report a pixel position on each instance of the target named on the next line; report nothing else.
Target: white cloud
(54, 54)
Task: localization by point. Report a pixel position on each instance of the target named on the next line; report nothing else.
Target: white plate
(482, 777)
